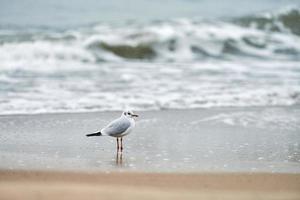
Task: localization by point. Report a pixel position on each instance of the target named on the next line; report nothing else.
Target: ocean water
(70, 58)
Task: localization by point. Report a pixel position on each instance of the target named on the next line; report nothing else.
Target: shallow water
(257, 139)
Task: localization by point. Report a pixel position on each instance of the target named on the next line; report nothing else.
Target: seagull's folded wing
(116, 127)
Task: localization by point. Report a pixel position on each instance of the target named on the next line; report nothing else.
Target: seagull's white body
(118, 128)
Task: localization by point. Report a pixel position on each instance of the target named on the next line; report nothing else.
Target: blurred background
(71, 56)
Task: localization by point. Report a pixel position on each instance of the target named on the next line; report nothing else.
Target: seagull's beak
(134, 115)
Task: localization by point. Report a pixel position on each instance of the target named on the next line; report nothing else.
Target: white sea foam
(274, 119)
(162, 65)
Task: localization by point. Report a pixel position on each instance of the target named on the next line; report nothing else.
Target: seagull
(118, 128)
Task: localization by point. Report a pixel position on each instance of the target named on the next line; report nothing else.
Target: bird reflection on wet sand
(119, 158)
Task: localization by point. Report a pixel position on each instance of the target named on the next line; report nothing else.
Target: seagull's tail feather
(94, 134)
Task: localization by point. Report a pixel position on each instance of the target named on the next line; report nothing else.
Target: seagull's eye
(128, 113)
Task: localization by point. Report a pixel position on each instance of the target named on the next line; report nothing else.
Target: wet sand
(242, 139)
(252, 139)
(67, 185)
(222, 153)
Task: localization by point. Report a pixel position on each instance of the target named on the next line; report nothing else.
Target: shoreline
(213, 108)
(71, 185)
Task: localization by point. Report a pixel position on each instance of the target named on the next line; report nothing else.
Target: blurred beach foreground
(59, 185)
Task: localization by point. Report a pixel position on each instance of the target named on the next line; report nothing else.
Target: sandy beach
(67, 185)
(224, 153)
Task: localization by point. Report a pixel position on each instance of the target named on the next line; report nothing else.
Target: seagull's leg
(121, 144)
(118, 145)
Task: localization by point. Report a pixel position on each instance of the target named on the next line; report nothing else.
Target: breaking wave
(165, 64)
(266, 36)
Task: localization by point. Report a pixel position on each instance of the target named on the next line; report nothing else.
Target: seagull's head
(129, 114)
